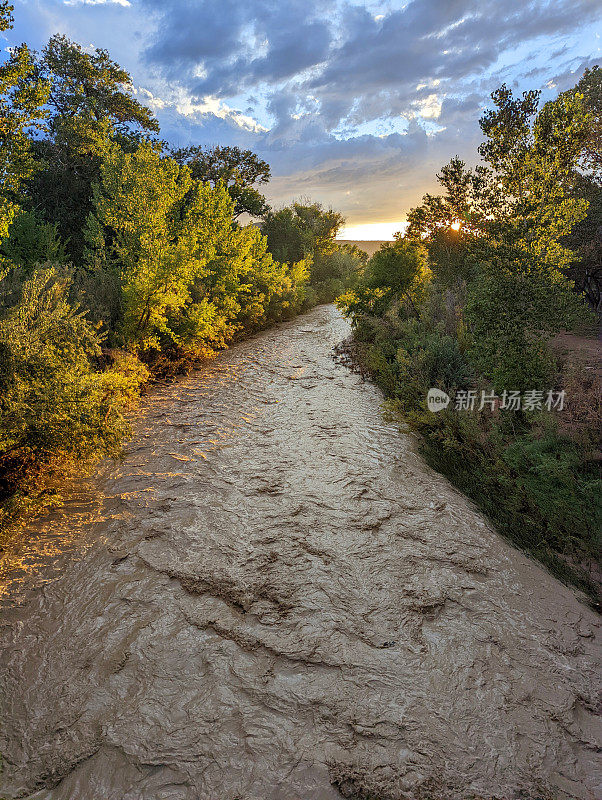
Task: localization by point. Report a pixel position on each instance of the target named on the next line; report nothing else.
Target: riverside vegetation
(123, 260)
(470, 296)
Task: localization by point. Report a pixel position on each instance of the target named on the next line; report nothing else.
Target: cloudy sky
(355, 104)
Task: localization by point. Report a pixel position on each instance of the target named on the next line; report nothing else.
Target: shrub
(56, 405)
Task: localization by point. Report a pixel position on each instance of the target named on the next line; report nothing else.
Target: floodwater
(278, 600)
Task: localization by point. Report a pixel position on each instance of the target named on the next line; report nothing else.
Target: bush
(57, 406)
(534, 482)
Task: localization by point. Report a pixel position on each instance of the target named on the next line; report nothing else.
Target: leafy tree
(90, 108)
(238, 170)
(22, 94)
(307, 231)
(401, 266)
(534, 156)
(32, 241)
(302, 230)
(512, 309)
(189, 280)
(590, 86)
(522, 197)
(397, 271)
(585, 241)
(161, 228)
(451, 226)
(90, 89)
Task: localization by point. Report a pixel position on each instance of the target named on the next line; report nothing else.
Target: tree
(90, 109)
(55, 405)
(397, 272)
(189, 279)
(512, 309)
(451, 226)
(307, 231)
(302, 230)
(31, 242)
(158, 227)
(585, 241)
(90, 89)
(590, 86)
(238, 170)
(22, 94)
(534, 157)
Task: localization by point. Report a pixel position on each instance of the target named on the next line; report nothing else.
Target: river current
(278, 600)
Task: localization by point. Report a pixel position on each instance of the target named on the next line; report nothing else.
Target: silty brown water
(280, 601)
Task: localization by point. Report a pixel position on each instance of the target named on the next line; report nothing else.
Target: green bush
(57, 406)
(532, 480)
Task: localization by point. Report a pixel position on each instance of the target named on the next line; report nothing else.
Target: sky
(355, 105)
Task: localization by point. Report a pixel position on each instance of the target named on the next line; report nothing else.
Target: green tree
(32, 241)
(590, 87)
(512, 309)
(534, 156)
(585, 241)
(302, 230)
(159, 228)
(22, 94)
(307, 232)
(238, 170)
(55, 405)
(400, 266)
(451, 226)
(90, 109)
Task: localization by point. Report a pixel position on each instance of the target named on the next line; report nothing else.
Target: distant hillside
(370, 246)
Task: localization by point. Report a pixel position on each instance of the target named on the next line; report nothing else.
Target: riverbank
(279, 598)
(77, 424)
(536, 476)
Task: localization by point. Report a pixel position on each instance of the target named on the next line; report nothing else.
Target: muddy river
(278, 600)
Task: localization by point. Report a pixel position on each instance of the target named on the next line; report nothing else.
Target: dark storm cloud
(364, 66)
(238, 44)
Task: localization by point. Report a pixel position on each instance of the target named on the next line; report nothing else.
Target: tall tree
(239, 171)
(302, 230)
(534, 156)
(22, 94)
(160, 226)
(90, 107)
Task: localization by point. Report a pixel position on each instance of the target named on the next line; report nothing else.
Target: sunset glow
(375, 231)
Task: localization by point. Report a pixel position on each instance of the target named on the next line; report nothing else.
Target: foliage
(585, 241)
(590, 87)
(512, 309)
(22, 94)
(32, 241)
(160, 273)
(307, 232)
(189, 279)
(90, 109)
(56, 405)
(238, 170)
(157, 238)
(533, 156)
(541, 488)
(502, 242)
